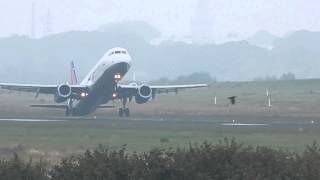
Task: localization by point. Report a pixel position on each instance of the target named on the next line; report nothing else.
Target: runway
(239, 124)
(30, 120)
(212, 122)
(143, 133)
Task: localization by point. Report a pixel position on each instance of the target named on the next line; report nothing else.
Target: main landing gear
(124, 111)
(69, 108)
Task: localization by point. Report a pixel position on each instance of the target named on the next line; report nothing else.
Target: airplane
(101, 85)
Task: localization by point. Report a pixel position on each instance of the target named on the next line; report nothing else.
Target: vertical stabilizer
(134, 77)
(73, 75)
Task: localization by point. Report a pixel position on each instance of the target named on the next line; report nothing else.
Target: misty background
(229, 40)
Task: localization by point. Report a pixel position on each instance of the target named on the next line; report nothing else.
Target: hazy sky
(197, 19)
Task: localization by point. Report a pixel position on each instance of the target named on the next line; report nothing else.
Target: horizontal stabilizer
(51, 106)
(106, 107)
(62, 106)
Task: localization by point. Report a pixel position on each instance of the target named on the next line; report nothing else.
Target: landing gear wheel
(124, 111)
(127, 112)
(120, 112)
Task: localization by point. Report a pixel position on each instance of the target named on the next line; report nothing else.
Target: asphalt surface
(271, 122)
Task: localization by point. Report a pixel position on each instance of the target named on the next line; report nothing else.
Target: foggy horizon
(234, 41)
(202, 21)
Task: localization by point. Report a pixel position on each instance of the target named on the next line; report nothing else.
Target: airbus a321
(100, 86)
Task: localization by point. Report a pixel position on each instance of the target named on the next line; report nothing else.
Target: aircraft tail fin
(134, 77)
(73, 75)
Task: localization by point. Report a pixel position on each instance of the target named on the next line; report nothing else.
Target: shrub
(164, 140)
(226, 160)
(17, 169)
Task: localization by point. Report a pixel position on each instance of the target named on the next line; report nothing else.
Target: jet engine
(63, 93)
(143, 95)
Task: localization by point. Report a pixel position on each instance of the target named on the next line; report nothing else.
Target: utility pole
(33, 14)
(47, 24)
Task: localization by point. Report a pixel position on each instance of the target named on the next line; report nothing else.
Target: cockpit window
(118, 52)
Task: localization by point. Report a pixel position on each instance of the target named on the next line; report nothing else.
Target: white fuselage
(101, 80)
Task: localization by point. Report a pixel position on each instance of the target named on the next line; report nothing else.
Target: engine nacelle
(63, 93)
(143, 95)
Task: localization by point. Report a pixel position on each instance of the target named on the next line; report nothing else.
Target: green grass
(69, 137)
(291, 101)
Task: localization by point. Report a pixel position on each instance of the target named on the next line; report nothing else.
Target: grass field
(299, 98)
(170, 121)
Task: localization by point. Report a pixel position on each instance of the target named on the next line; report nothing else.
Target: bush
(16, 169)
(164, 140)
(225, 160)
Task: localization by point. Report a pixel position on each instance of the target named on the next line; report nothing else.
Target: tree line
(284, 77)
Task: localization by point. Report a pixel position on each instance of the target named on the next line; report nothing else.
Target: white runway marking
(238, 124)
(32, 120)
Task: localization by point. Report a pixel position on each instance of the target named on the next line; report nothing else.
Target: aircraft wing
(39, 89)
(130, 90)
(175, 88)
